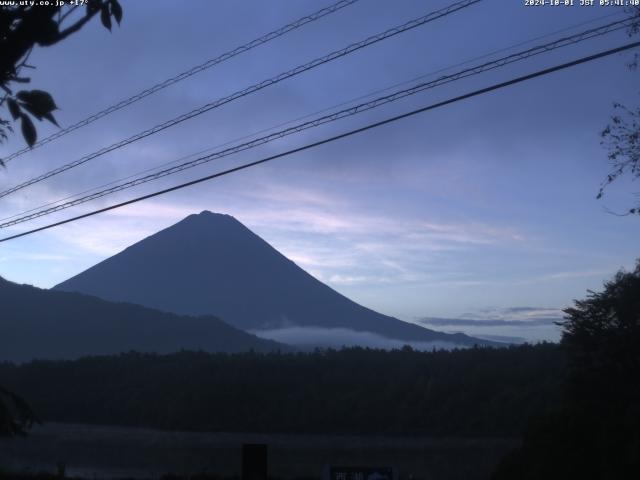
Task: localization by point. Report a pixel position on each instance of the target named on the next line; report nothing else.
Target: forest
(468, 392)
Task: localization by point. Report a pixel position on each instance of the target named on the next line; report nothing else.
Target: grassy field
(111, 452)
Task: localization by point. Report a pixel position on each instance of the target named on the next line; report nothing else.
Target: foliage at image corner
(595, 434)
(16, 416)
(21, 29)
(622, 136)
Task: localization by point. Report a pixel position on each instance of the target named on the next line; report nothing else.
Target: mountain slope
(212, 264)
(47, 324)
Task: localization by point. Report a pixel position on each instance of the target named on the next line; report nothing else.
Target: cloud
(576, 274)
(104, 238)
(338, 279)
(516, 314)
(501, 317)
(113, 231)
(153, 210)
(36, 257)
(521, 309)
(503, 338)
(324, 214)
(488, 322)
(348, 244)
(506, 324)
(343, 337)
(325, 233)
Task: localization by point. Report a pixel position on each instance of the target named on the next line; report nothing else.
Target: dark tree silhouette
(602, 337)
(21, 29)
(596, 434)
(16, 416)
(471, 392)
(622, 136)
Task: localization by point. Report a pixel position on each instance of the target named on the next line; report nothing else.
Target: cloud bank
(510, 324)
(342, 337)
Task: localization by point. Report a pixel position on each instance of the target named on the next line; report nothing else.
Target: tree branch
(76, 26)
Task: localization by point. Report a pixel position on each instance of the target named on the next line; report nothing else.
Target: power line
(326, 109)
(189, 73)
(434, 106)
(357, 109)
(588, 34)
(328, 118)
(252, 89)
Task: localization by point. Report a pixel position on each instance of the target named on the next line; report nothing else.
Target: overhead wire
(317, 112)
(187, 73)
(354, 110)
(349, 133)
(416, 22)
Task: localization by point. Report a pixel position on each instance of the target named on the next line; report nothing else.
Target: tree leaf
(51, 118)
(38, 103)
(116, 11)
(41, 100)
(93, 6)
(28, 130)
(14, 108)
(105, 16)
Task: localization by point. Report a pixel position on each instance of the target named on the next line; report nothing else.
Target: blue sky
(484, 210)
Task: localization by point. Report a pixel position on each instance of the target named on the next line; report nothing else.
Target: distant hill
(45, 324)
(212, 264)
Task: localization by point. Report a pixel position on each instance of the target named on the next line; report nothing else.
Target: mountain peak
(210, 214)
(207, 217)
(211, 264)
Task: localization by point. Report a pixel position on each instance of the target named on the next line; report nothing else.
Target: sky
(478, 217)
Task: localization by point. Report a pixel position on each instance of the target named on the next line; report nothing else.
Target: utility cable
(188, 73)
(317, 112)
(252, 89)
(434, 106)
(357, 109)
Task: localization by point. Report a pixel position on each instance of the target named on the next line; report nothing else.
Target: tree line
(477, 391)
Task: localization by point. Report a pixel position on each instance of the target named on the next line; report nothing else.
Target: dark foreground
(111, 452)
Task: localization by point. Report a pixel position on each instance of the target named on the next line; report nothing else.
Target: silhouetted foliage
(622, 136)
(476, 392)
(622, 139)
(22, 27)
(634, 29)
(596, 432)
(16, 416)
